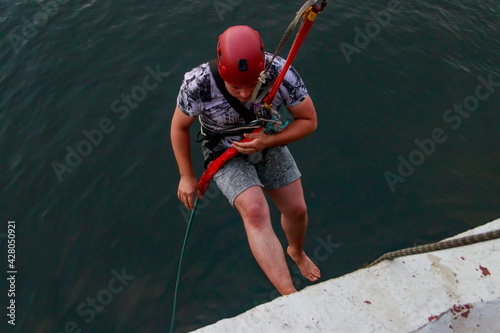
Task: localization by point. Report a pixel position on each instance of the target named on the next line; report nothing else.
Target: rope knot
(263, 76)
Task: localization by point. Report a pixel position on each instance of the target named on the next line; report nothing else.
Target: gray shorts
(271, 169)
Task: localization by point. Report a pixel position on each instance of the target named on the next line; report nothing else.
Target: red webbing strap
(293, 52)
(218, 163)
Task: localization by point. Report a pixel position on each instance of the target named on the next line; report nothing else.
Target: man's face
(244, 94)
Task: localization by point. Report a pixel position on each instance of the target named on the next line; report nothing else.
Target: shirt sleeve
(189, 98)
(292, 90)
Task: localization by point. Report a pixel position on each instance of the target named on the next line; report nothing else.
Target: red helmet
(240, 56)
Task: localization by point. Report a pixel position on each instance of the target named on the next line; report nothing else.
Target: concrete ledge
(455, 290)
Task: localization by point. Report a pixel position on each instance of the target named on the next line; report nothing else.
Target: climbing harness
(213, 138)
(443, 245)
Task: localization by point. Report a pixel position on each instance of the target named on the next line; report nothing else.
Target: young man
(264, 163)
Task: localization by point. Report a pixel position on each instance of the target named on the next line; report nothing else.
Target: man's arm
(304, 123)
(181, 144)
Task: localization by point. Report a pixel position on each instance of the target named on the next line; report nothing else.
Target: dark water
(114, 212)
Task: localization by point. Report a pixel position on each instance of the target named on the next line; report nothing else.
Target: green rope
(443, 245)
(186, 237)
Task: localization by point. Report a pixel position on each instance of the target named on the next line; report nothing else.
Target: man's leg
(265, 246)
(290, 201)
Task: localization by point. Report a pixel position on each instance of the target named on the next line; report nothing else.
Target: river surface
(407, 151)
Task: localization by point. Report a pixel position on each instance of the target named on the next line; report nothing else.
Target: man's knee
(255, 214)
(253, 210)
(297, 211)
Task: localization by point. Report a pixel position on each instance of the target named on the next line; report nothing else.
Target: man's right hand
(188, 187)
(179, 134)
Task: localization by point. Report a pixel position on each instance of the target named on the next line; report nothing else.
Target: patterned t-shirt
(199, 96)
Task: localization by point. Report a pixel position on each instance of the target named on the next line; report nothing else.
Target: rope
(443, 245)
(265, 73)
(186, 237)
(290, 29)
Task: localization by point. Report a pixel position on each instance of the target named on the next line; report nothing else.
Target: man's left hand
(259, 141)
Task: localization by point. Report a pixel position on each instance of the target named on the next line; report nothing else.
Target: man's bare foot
(306, 266)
